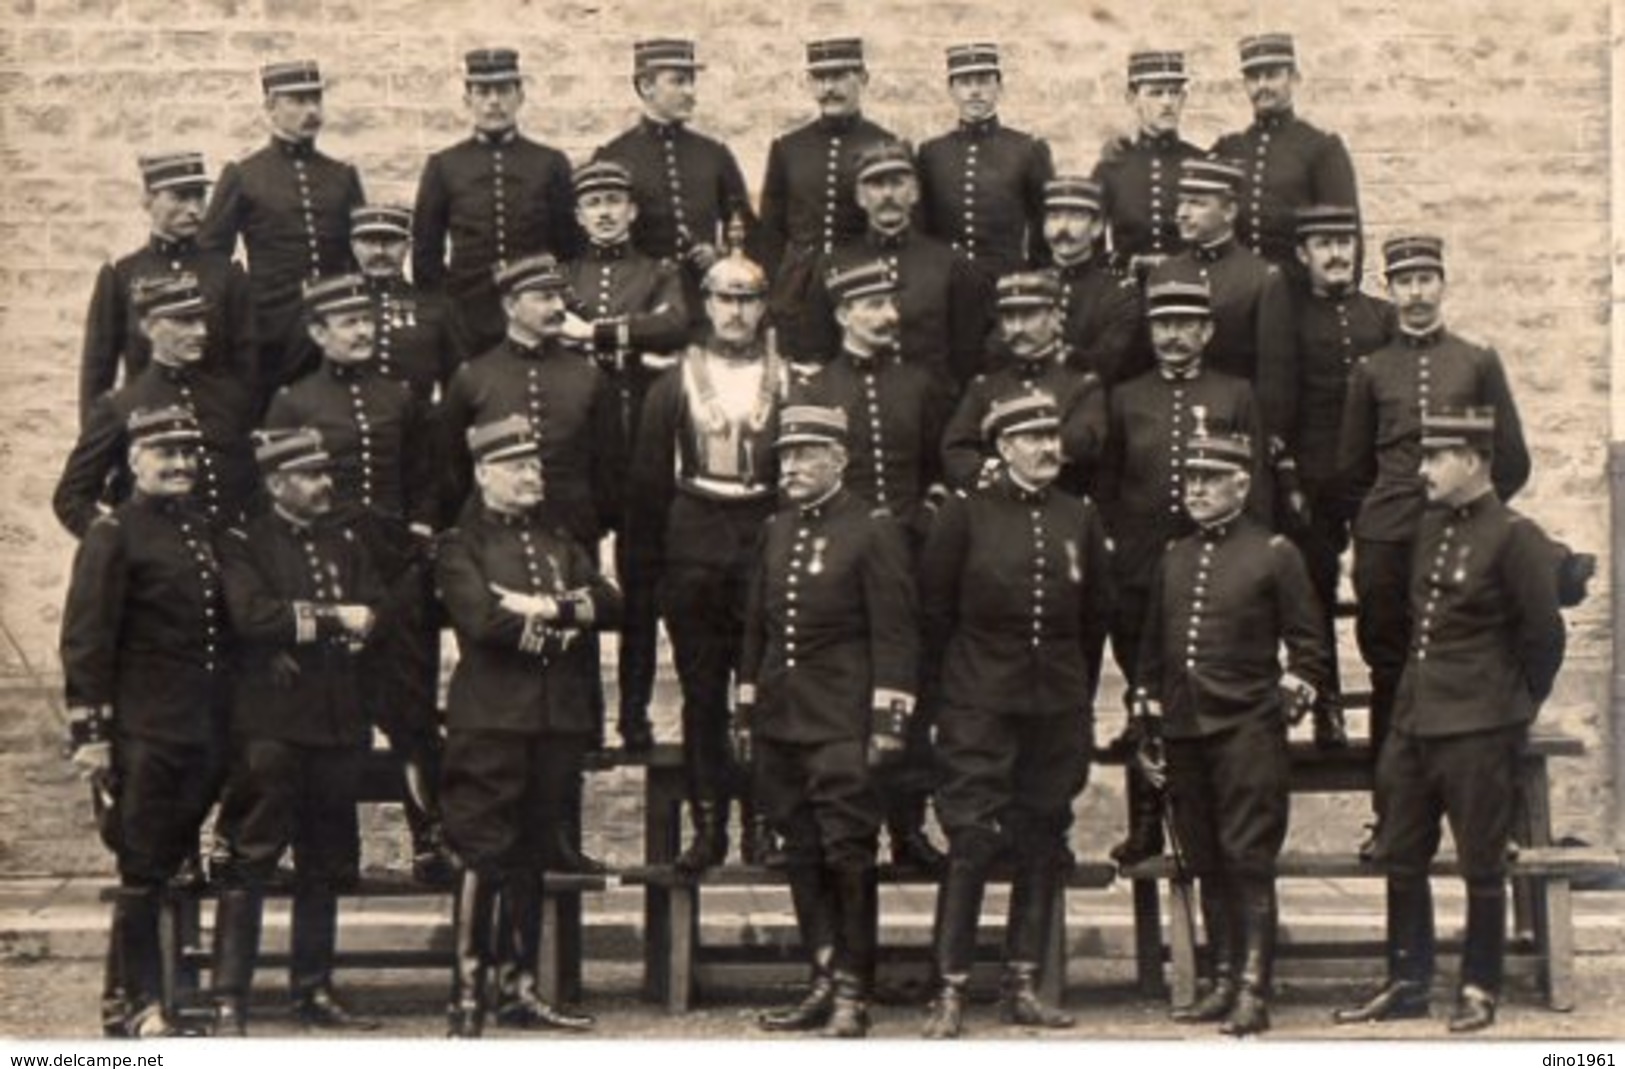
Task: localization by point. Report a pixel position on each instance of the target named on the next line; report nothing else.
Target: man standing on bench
(1216, 703)
(522, 592)
(826, 688)
(1016, 592)
(1487, 644)
(303, 600)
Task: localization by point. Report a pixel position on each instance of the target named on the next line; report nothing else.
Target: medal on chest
(1074, 561)
(816, 565)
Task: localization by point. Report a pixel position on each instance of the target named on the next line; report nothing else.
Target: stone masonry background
(1485, 120)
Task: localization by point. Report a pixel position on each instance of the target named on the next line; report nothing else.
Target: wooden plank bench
(675, 949)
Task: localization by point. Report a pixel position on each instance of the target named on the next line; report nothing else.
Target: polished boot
(522, 1003)
(849, 1016)
(1219, 923)
(115, 995)
(314, 938)
(1019, 1003)
(1144, 840)
(473, 939)
(911, 847)
(1475, 1010)
(1410, 957)
(1260, 922)
(432, 863)
(814, 917)
(959, 914)
(136, 912)
(237, 918)
(1483, 952)
(710, 844)
(855, 895)
(946, 1017)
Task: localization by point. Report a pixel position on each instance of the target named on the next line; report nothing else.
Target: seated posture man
(1016, 592)
(521, 593)
(1224, 599)
(143, 663)
(303, 600)
(1487, 644)
(826, 686)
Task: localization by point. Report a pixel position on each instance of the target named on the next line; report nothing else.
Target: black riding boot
(1032, 910)
(310, 974)
(856, 895)
(1144, 839)
(1483, 956)
(1219, 923)
(237, 918)
(1404, 995)
(710, 845)
(473, 941)
(1260, 920)
(953, 944)
(810, 897)
(522, 1003)
(431, 860)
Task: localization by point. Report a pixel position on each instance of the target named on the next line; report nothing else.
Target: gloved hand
(886, 728)
(93, 759)
(1298, 697)
(90, 745)
(1150, 756)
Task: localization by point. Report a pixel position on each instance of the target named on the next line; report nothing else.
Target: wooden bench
(681, 960)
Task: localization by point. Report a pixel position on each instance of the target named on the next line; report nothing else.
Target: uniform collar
(663, 131)
(528, 352)
(1167, 139)
(1220, 529)
(509, 519)
(1214, 251)
(346, 372)
(1023, 493)
(1425, 339)
(817, 510)
(1275, 120)
(617, 251)
(1180, 374)
(839, 124)
(981, 129)
(863, 361)
(165, 247)
(1075, 270)
(302, 529)
(173, 506)
(1472, 508)
(888, 242)
(178, 373)
(1336, 296)
(381, 284)
(1028, 368)
(496, 138)
(295, 149)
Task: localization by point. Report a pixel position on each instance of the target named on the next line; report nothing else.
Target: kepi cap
(173, 170)
(1156, 66)
(335, 294)
(491, 66)
(291, 76)
(1209, 176)
(835, 54)
(539, 272)
(863, 279)
(1327, 219)
(598, 175)
(1073, 191)
(1027, 289)
(1458, 428)
(1021, 413)
(168, 425)
(1267, 50)
(503, 439)
(294, 449)
(811, 425)
(1413, 252)
(981, 57)
(381, 220)
(175, 296)
(664, 54)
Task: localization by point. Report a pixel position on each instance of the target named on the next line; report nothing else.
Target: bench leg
(1052, 970)
(571, 949)
(1148, 938)
(683, 921)
(1554, 941)
(1182, 941)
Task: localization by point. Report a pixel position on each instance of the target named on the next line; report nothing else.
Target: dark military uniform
(225, 407)
(144, 640)
(831, 634)
(701, 489)
(1103, 322)
(1082, 402)
(415, 341)
(291, 204)
(688, 188)
(1252, 328)
(944, 301)
(1487, 646)
(1141, 186)
(1289, 164)
(113, 337)
(573, 409)
(520, 716)
(494, 199)
(1141, 484)
(1379, 454)
(640, 313)
(1016, 591)
(1224, 599)
(809, 206)
(982, 191)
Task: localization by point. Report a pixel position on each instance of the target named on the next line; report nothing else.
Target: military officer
(1336, 324)
(982, 183)
(688, 187)
(568, 400)
(145, 670)
(1425, 367)
(1016, 592)
(943, 299)
(1142, 480)
(808, 201)
(376, 434)
(1251, 299)
(1139, 177)
(826, 688)
(1101, 308)
(1225, 598)
(1288, 164)
(490, 200)
(303, 602)
(1030, 327)
(703, 483)
(414, 338)
(175, 187)
(521, 593)
(630, 313)
(1487, 645)
(895, 413)
(172, 314)
(290, 203)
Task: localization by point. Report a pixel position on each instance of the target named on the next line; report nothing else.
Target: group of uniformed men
(893, 458)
